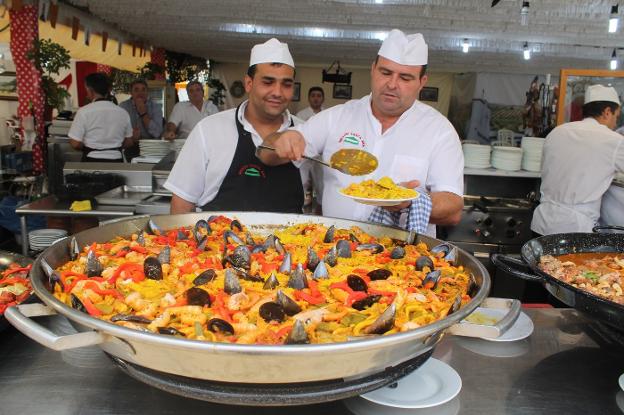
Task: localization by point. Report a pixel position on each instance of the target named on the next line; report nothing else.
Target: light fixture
(613, 19)
(526, 51)
(378, 1)
(614, 62)
(524, 13)
(465, 45)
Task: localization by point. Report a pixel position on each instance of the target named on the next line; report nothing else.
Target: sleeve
(155, 127)
(446, 172)
(78, 127)
(619, 156)
(187, 178)
(176, 115)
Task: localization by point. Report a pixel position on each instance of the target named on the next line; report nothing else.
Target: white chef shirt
(578, 164)
(421, 145)
(185, 116)
(207, 155)
(612, 207)
(307, 113)
(101, 124)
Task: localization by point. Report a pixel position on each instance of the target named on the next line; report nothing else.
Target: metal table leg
(24, 235)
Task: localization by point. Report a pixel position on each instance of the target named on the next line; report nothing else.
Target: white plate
(380, 202)
(621, 382)
(432, 384)
(522, 328)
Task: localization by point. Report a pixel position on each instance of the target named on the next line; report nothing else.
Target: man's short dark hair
(423, 68)
(316, 88)
(596, 108)
(99, 83)
(251, 71)
(138, 81)
(191, 83)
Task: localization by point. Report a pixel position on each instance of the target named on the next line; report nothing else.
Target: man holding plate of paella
(415, 145)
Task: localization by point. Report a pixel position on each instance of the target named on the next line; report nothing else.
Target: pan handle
(597, 229)
(468, 329)
(19, 316)
(516, 267)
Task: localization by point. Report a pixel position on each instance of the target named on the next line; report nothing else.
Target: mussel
(141, 239)
(289, 305)
(374, 248)
(94, 267)
(397, 252)
(53, 276)
(313, 259)
(77, 304)
(298, 279)
(271, 282)
(249, 239)
(343, 249)
(272, 311)
(298, 334)
(450, 252)
(235, 224)
(153, 228)
(171, 331)
(456, 304)
(379, 274)
(217, 325)
(131, 318)
(431, 279)
(277, 244)
(231, 285)
(354, 238)
(199, 225)
(152, 268)
(384, 322)
(247, 276)
(74, 249)
(356, 283)
(164, 256)
(205, 277)
(197, 296)
(329, 235)
(424, 261)
(240, 258)
(201, 243)
(320, 272)
(331, 257)
(231, 236)
(286, 266)
(365, 302)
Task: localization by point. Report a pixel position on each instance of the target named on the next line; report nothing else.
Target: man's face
(316, 99)
(612, 117)
(195, 93)
(395, 87)
(139, 91)
(271, 89)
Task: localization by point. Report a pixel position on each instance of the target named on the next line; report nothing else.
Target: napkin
(80, 205)
(418, 214)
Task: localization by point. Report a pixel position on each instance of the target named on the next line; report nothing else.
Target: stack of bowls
(532, 153)
(476, 156)
(506, 158)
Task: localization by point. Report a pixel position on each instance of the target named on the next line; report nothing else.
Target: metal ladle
(349, 161)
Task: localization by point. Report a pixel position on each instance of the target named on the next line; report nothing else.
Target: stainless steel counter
(560, 369)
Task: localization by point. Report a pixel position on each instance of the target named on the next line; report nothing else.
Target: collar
(247, 125)
(369, 112)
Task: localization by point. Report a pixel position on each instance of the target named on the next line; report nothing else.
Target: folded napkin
(417, 214)
(80, 205)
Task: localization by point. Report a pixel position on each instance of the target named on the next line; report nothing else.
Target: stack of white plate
(42, 238)
(159, 148)
(476, 156)
(506, 158)
(532, 153)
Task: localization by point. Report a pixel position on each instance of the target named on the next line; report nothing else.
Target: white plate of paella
(383, 192)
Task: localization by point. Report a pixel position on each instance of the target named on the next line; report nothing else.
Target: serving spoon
(353, 162)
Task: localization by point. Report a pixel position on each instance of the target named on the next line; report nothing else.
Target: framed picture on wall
(342, 91)
(297, 92)
(428, 94)
(8, 86)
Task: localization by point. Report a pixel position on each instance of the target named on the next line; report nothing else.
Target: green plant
(49, 58)
(218, 91)
(150, 70)
(121, 80)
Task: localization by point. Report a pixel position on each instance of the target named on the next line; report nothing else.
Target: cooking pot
(568, 243)
(246, 363)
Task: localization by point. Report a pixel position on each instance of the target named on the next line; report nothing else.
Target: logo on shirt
(252, 170)
(352, 138)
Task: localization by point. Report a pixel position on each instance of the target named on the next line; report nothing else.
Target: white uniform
(578, 164)
(185, 116)
(207, 155)
(307, 113)
(422, 145)
(612, 208)
(103, 125)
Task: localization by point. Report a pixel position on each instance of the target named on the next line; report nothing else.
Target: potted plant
(50, 57)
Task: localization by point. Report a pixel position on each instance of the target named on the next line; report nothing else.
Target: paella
(384, 188)
(14, 285)
(219, 281)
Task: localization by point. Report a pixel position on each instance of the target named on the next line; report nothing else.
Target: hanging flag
(87, 35)
(104, 41)
(75, 27)
(53, 14)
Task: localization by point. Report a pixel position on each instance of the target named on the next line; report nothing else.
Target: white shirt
(101, 124)
(207, 155)
(612, 207)
(307, 113)
(421, 145)
(185, 116)
(578, 164)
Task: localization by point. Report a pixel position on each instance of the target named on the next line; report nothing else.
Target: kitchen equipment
(353, 162)
(527, 268)
(124, 195)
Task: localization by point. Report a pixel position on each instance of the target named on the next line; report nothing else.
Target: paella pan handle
(468, 329)
(19, 316)
(600, 228)
(516, 267)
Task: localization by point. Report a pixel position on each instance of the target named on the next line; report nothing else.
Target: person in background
(579, 162)
(316, 97)
(100, 129)
(217, 168)
(145, 115)
(186, 115)
(413, 143)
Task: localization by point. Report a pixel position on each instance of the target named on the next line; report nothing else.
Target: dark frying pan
(6, 259)
(568, 243)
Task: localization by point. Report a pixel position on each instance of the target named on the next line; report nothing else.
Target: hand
(169, 135)
(412, 184)
(290, 145)
(140, 104)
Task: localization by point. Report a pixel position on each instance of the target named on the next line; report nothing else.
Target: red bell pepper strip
(10, 271)
(14, 280)
(92, 285)
(342, 285)
(140, 249)
(284, 331)
(302, 295)
(355, 296)
(91, 309)
(132, 269)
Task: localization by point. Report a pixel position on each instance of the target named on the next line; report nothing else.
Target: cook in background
(186, 115)
(413, 142)
(217, 168)
(579, 162)
(100, 129)
(145, 116)
(313, 172)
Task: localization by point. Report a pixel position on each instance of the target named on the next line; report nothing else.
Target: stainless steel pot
(233, 362)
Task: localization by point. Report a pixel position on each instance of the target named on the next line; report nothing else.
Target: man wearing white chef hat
(413, 142)
(579, 162)
(217, 168)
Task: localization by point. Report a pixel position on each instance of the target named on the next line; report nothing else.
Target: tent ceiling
(561, 33)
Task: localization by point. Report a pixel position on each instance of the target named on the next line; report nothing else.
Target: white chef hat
(404, 49)
(601, 93)
(271, 51)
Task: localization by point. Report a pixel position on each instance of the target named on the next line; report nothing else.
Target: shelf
(501, 173)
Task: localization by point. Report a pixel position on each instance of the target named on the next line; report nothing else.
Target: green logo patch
(253, 172)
